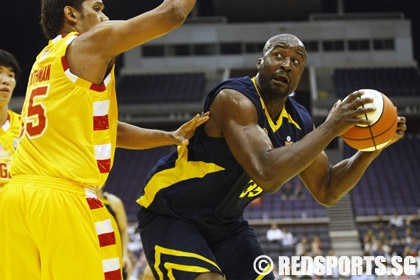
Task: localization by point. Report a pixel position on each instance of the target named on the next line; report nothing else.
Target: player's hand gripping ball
(382, 127)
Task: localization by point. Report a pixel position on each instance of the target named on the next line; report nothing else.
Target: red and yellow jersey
(9, 133)
(69, 125)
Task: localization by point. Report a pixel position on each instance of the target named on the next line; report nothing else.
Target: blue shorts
(176, 249)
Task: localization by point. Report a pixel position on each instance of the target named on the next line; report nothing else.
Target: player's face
(92, 14)
(281, 66)
(7, 84)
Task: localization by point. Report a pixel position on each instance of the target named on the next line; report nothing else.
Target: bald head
(287, 41)
(281, 65)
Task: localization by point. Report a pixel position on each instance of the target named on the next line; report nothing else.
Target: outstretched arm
(116, 37)
(98, 46)
(137, 138)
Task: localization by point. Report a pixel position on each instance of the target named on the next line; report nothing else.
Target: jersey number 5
(36, 121)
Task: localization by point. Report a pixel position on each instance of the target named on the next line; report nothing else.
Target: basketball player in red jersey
(53, 225)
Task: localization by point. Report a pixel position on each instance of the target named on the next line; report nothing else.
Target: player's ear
(70, 14)
(259, 61)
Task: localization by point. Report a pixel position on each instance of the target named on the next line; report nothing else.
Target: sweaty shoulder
(243, 85)
(232, 99)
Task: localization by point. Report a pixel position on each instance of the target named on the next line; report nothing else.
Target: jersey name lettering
(41, 75)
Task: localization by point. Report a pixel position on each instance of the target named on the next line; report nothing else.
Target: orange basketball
(382, 128)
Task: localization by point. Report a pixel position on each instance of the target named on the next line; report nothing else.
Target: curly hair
(52, 15)
(8, 60)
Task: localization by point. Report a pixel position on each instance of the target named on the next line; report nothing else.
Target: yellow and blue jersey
(203, 183)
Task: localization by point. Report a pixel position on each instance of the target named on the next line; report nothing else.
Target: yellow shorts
(54, 229)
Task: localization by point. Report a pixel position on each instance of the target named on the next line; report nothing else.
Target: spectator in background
(396, 242)
(302, 247)
(396, 220)
(383, 249)
(274, 234)
(395, 239)
(316, 246)
(382, 237)
(407, 236)
(288, 240)
(369, 243)
(413, 246)
(9, 121)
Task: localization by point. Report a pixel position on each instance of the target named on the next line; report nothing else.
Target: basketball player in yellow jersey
(53, 225)
(9, 120)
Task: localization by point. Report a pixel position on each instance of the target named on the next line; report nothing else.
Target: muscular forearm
(136, 138)
(328, 183)
(345, 175)
(286, 162)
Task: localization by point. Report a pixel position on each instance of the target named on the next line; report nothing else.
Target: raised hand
(187, 130)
